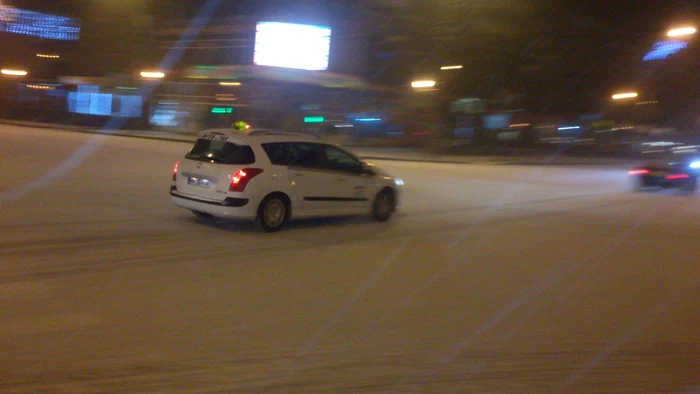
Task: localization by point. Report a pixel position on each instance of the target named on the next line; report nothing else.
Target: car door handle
(341, 179)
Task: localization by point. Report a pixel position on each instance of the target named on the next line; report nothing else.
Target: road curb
(423, 160)
(100, 132)
(183, 139)
(574, 164)
(495, 162)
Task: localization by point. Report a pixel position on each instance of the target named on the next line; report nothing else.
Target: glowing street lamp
(682, 31)
(457, 67)
(15, 73)
(422, 84)
(152, 74)
(622, 96)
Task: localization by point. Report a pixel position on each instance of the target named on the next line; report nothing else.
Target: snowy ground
(492, 279)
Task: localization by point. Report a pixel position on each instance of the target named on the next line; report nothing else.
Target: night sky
(634, 16)
(625, 11)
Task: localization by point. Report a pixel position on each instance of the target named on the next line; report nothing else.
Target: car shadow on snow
(248, 226)
(665, 192)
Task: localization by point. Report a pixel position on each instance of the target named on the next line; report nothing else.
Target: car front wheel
(384, 205)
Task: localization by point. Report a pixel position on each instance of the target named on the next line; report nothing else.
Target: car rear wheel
(202, 215)
(273, 213)
(637, 183)
(691, 185)
(384, 206)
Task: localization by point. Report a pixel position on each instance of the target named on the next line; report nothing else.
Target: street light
(622, 96)
(17, 73)
(422, 84)
(457, 67)
(152, 74)
(681, 31)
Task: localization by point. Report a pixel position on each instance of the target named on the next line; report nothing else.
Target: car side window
(305, 155)
(280, 153)
(338, 160)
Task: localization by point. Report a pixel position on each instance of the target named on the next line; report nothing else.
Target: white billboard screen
(290, 45)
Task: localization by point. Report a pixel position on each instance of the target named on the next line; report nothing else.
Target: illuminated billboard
(290, 45)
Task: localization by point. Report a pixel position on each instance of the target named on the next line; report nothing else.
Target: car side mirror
(368, 170)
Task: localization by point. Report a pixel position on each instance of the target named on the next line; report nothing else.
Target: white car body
(341, 186)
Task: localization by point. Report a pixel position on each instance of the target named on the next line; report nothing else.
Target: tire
(384, 205)
(691, 185)
(202, 215)
(273, 213)
(637, 184)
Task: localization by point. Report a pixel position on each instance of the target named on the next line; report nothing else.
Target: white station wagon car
(272, 177)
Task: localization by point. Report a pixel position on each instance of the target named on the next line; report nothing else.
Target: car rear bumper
(662, 181)
(231, 207)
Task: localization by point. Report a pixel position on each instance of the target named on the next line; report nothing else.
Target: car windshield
(221, 152)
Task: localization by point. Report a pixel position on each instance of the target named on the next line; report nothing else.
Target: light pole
(624, 108)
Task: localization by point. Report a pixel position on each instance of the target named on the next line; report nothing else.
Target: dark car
(682, 175)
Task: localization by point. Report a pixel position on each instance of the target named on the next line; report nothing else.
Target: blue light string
(662, 50)
(35, 24)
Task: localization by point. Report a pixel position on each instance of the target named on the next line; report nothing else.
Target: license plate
(199, 182)
(657, 173)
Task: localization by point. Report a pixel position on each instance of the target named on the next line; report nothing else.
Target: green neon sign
(221, 110)
(314, 119)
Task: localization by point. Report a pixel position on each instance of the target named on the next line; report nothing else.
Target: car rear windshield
(221, 152)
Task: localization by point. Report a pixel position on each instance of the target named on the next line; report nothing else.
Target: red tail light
(677, 176)
(240, 179)
(177, 164)
(638, 172)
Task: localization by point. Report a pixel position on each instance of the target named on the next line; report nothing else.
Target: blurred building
(209, 77)
(126, 37)
(38, 43)
(35, 49)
